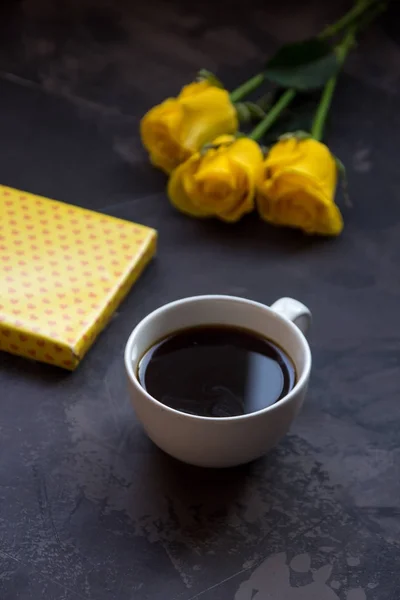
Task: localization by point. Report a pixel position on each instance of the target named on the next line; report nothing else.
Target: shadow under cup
(218, 441)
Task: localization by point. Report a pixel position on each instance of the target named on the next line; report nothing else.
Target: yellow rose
(179, 127)
(219, 182)
(297, 187)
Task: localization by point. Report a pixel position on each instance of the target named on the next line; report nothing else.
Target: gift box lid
(63, 272)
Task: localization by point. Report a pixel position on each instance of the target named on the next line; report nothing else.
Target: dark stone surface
(89, 509)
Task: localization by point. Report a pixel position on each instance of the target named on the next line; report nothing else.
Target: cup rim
(175, 304)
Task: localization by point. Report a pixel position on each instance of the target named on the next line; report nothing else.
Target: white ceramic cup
(226, 441)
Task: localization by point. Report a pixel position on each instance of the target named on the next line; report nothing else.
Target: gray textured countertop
(89, 509)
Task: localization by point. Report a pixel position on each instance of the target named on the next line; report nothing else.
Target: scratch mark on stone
(79, 499)
(43, 502)
(111, 111)
(178, 567)
(212, 587)
(308, 529)
(128, 202)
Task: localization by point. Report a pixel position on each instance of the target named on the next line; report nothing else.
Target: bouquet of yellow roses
(217, 171)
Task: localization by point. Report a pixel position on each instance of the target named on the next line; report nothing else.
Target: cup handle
(294, 311)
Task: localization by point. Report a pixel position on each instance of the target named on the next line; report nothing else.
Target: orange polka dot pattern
(63, 272)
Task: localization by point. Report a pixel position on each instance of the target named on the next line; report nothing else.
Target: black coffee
(216, 371)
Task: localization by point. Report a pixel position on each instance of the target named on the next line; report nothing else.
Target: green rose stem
(272, 115)
(287, 97)
(317, 129)
(247, 87)
(342, 50)
(355, 13)
(350, 18)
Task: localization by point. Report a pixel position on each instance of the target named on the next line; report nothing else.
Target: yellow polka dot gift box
(63, 272)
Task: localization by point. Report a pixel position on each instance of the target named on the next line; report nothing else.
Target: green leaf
(207, 147)
(203, 74)
(267, 100)
(243, 113)
(340, 167)
(248, 112)
(303, 65)
(299, 135)
(344, 181)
